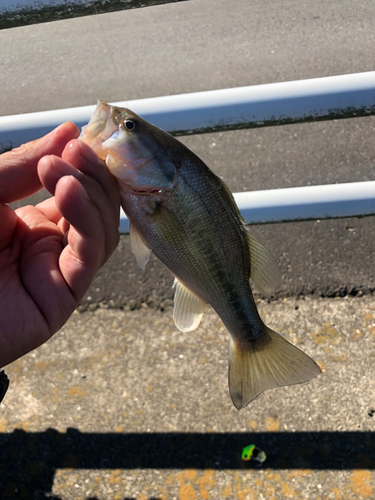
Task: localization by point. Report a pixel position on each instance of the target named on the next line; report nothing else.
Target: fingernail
(55, 164)
(71, 144)
(82, 149)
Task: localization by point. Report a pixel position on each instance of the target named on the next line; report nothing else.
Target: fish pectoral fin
(188, 308)
(139, 247)
(264, 273)
(264, 364)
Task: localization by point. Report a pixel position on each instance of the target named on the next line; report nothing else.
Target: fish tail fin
(264, 364)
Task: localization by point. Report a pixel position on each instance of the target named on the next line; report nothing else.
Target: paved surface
(192, 46)
(121, 405)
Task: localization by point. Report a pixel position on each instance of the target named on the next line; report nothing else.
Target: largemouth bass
(179, 209)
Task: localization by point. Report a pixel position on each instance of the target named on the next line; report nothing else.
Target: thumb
(18, 168)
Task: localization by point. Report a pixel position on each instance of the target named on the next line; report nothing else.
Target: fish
(186, 215)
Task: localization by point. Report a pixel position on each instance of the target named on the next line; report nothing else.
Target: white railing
(246, 107)
(316, 99)
(355, 199)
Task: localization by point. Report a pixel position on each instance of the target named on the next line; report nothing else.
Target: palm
(35, 300)
(46, 262)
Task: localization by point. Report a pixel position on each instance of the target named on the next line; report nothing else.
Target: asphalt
(121, 405)
(194, 46)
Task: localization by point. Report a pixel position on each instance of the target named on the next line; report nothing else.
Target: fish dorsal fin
(265, 273)
(188, 308)
(139, 247)
(233, 204)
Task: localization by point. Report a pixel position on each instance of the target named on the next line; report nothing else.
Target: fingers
(99, 184)
(79, 160)
(86, 160)
(49, 210)
(90, 242)
(8, 220)
(18, 168)
(87, 198)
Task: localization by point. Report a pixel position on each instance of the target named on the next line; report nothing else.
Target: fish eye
(130, 124)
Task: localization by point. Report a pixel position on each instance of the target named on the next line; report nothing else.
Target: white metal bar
(301, 203)
(228, 109)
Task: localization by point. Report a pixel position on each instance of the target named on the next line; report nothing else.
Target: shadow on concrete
(28, 461)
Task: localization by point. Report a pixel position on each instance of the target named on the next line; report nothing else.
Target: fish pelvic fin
(188, 308)
(139, 247)
(266, 363)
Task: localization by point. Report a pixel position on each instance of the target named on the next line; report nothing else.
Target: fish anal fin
(271, 362)
(139, 247)
(264, 273)
(188, 308)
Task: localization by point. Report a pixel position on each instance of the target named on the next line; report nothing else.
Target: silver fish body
(185, 214)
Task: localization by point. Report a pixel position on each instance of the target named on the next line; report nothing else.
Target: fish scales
(202, 247)
(179, 209)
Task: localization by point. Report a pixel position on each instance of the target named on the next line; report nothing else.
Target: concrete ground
(121, 405)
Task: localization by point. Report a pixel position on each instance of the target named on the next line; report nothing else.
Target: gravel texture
(120, 404)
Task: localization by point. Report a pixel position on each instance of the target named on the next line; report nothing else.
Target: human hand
(50, 253)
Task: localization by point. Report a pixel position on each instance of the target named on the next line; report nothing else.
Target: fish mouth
(148, 191)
